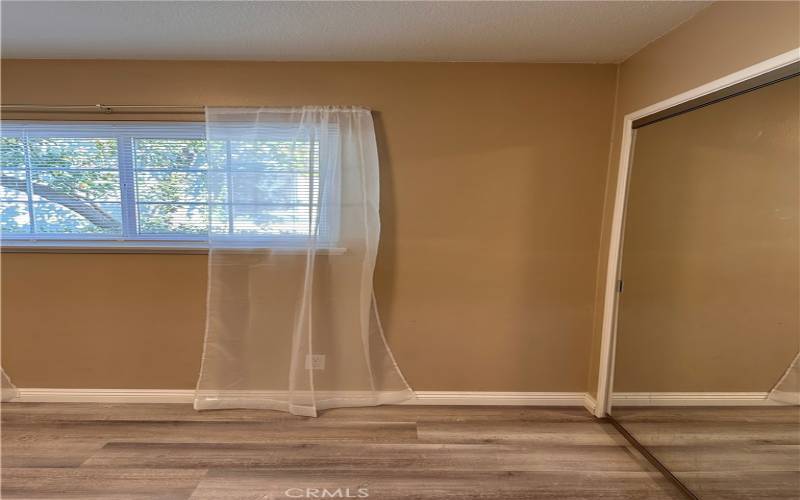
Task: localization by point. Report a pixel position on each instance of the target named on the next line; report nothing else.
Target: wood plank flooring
(169, 451)
(730, 453)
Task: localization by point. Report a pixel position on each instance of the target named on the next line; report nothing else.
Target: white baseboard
(463, 398)
(456, 398)
(37, 395)
(692, 399)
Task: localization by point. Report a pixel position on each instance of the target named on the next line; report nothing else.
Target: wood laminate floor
(724, 453)
(169, 451)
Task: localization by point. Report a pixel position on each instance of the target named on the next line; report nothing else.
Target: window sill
(128, 247)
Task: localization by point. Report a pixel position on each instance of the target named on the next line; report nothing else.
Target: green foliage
(12, 154)
(171, 185)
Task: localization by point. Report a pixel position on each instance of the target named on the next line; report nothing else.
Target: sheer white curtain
(787, 390)
(292, 322)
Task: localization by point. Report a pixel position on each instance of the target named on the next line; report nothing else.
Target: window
(141, 184)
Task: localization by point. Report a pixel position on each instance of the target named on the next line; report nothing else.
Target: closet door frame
(727, 86)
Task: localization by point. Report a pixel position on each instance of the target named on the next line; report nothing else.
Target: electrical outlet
(315, 361)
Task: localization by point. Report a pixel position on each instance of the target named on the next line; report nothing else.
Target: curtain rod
(103, 109)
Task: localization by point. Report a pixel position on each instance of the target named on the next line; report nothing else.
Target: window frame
(130, 239)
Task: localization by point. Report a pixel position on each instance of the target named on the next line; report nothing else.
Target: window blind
(154, 181)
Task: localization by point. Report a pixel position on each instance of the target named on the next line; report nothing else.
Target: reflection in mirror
(707, 375)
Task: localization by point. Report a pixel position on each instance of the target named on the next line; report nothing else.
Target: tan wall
(712, 248)
(724, 38)
(492, 189)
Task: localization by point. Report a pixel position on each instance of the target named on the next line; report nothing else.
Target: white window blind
(139, 182)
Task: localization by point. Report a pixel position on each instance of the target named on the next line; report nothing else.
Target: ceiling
(548, 31)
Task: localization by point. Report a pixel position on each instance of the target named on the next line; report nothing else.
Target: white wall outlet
(315, 361)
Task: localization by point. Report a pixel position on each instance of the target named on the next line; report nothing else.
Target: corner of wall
(602, 255)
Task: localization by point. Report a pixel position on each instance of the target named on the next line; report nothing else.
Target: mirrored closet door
(706, 372)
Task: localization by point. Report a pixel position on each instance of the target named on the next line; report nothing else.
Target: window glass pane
(73, 152)
(218, 186)
(217, 154)
(271, 187)
(170, 153)
(14, 217)
(13, 185)
(270, 155)
(73, 186)
(220, 219)
(271, 220)
(171, 186)
(77, 186)
(12, 153)
(75, 183)
(71, 216)
(166, 218)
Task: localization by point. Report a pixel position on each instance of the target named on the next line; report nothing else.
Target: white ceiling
(554, 31)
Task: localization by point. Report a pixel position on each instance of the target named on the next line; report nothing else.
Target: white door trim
(610, 299)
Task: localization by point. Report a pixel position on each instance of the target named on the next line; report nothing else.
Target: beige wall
(712, 248)
(492, 190)
(724, 38)
(489, 275)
